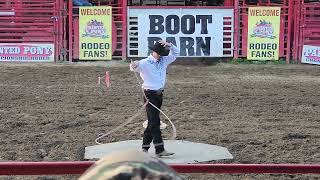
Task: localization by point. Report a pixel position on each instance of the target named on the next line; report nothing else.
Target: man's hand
(134, 64)
(164, 43)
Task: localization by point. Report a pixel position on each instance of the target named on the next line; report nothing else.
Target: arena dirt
(261, 113)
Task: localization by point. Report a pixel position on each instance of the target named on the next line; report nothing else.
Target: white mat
(185, 151)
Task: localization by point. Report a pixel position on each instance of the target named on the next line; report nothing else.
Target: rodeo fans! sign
(197, 32)
(263, 33)
(95, 33)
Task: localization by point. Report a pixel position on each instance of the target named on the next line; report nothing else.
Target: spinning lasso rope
(174, 131)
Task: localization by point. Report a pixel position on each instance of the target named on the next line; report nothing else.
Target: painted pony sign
(263, 29)
(27, 52)
(311, 54)
(95, 29)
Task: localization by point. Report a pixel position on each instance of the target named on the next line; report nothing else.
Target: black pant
(153, 132)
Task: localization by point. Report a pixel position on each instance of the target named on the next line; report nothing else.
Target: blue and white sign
(311, 54)
(197, 32)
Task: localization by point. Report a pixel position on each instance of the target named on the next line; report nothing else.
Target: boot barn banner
(95, 33)
(263, 33)
(197, 32)
(27, 52)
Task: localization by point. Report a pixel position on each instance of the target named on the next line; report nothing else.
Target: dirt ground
(261, 113)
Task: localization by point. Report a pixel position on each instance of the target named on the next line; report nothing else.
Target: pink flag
(107, 79)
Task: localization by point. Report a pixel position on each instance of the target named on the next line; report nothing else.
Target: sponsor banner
(95, 33)
(27, 52)
(263, 33)
(311, 54)
(197, 32)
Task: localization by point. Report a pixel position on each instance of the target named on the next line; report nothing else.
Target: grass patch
(245, 61)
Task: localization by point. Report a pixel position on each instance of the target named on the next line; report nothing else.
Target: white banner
(197, 32)
(311, 54)
(27, 52)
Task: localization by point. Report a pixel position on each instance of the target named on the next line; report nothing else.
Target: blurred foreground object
(127, 165)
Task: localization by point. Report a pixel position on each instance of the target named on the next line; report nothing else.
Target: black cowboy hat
(158, 48)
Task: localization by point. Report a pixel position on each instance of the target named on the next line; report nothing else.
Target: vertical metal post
(124, 29)
(289, 32)
(295, 33)
(301, 29)
(236, 30)
(55, 31)
(70, 29)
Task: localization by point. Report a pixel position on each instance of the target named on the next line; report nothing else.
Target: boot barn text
(197, 33)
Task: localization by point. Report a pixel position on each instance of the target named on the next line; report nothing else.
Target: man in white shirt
(153, 73)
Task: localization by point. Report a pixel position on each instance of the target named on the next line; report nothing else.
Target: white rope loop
(122, 125)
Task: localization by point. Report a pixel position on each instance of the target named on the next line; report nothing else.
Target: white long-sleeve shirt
(153, 72)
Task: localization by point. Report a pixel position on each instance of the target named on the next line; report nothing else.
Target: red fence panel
(79, 167)
(285, 30)
(307, 27)
(32, 21)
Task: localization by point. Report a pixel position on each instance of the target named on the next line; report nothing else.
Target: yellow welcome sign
(263, 33)
(95, 33)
